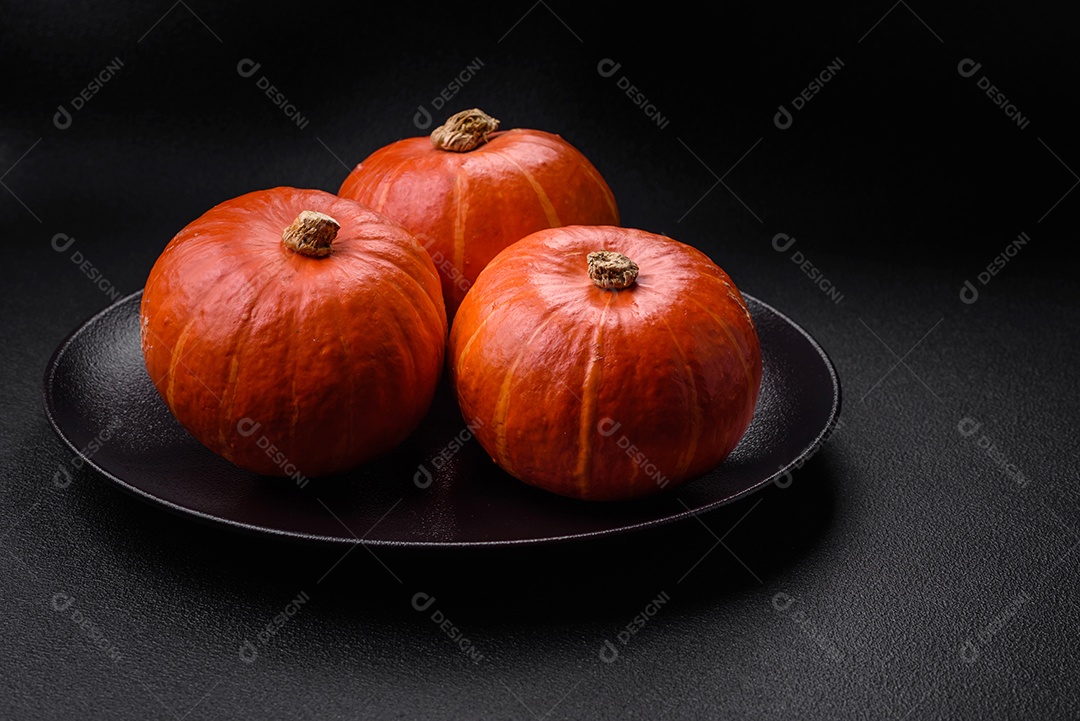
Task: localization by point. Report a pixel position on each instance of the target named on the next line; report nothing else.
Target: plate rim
(263, 532)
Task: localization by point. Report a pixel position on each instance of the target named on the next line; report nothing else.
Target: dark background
(904, 574)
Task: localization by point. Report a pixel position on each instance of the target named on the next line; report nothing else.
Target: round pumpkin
(470, 190)
(294, 332)
(605, 363)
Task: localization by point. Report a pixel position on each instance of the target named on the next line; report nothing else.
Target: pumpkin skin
(605, 394)
(465, 207)
(284, 363)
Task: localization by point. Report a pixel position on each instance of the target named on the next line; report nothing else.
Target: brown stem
(611, 270)
(464, 131)
(311, 234)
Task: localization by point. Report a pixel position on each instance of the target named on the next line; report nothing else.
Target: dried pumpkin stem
(612, 271)
(311, 234)
(464, 131)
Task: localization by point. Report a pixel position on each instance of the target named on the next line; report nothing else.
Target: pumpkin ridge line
(234, 372)
(590, 397)
(157, 339)
(461, 210)
(189, 351)
(542, 140)
(383, 263)
(696, 418)
(502, 404)
(751, 386)
(541, 195)
(404, 332)
(384, 185)
(518, 299)
(293, 355)
(348, 354)
(181, 339)
(468, 344)
(173, 361)
(238, 341)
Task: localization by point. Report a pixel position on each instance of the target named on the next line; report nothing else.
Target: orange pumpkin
(605, 363)
(294, 332)
(469, 191)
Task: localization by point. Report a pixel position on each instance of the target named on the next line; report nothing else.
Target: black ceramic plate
(439, 488)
